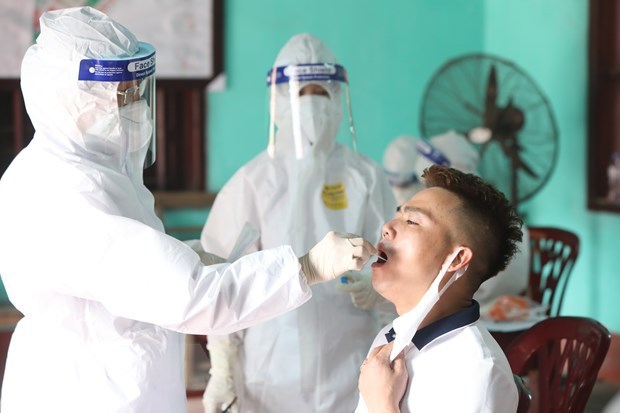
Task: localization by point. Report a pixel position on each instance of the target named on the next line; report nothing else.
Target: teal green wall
(391, 49)
(549, 40)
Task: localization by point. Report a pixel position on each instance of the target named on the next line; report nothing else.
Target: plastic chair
(552, 257)
(201, 340)
(567, 353)
(525, 397)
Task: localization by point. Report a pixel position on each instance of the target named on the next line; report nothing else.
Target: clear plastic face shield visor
(306, 107)
(123, 90)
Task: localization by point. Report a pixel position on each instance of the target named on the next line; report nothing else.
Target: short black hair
(489, 219)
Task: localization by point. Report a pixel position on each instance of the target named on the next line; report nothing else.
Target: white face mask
(136, 133)
(407, 324)
(100, 132)
(319, 123)
(136, 125)
(119, 133)
(319, 120)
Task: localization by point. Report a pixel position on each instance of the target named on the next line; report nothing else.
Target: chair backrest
(568, 353)
(525, 397)
(552, 257)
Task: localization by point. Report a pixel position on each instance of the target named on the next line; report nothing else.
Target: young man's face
(415, 244)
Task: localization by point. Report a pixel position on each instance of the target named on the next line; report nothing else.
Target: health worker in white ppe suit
(405, 159)
(399, 160)
(305, 182)
(105, 293)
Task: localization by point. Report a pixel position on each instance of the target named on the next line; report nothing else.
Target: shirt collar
(440, 327)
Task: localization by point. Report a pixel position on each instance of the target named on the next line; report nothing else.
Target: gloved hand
(335, 254)
(220, 391)
(359, 285)
(205, 257)
(210, 259)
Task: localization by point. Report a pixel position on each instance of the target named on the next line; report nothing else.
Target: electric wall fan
(503, 113)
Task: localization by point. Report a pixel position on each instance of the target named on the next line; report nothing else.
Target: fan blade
(474, 110)
(521, 164)
(511, 149)
(508, 144)
(491, 95)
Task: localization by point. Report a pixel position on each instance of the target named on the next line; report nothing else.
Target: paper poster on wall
(16, 24)
(180, 30)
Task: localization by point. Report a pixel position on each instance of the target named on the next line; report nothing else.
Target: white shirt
(454, 365)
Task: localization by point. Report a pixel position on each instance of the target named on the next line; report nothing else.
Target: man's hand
(382, 384)
(335, 254)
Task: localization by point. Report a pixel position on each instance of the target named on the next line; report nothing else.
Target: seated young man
(458, 230)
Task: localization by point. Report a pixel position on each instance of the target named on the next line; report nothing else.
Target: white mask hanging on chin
(407, 325)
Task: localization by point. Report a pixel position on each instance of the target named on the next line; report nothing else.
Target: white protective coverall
(104, 291)
(399, 159)
(306, 361)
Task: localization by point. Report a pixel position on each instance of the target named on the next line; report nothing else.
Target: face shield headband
(432, 154)
(294, 75)
(134, 80)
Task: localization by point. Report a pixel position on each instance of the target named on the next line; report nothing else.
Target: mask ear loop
(407, 325)
(458, 274)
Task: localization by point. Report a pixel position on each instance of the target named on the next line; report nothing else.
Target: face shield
(121, 118)
(306, 106)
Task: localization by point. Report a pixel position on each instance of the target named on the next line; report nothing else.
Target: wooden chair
(567, 353)
(552, 257)
(525, 397)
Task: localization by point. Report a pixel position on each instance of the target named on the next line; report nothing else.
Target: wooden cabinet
(181, 129)
(603, 100)
(15, 127)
